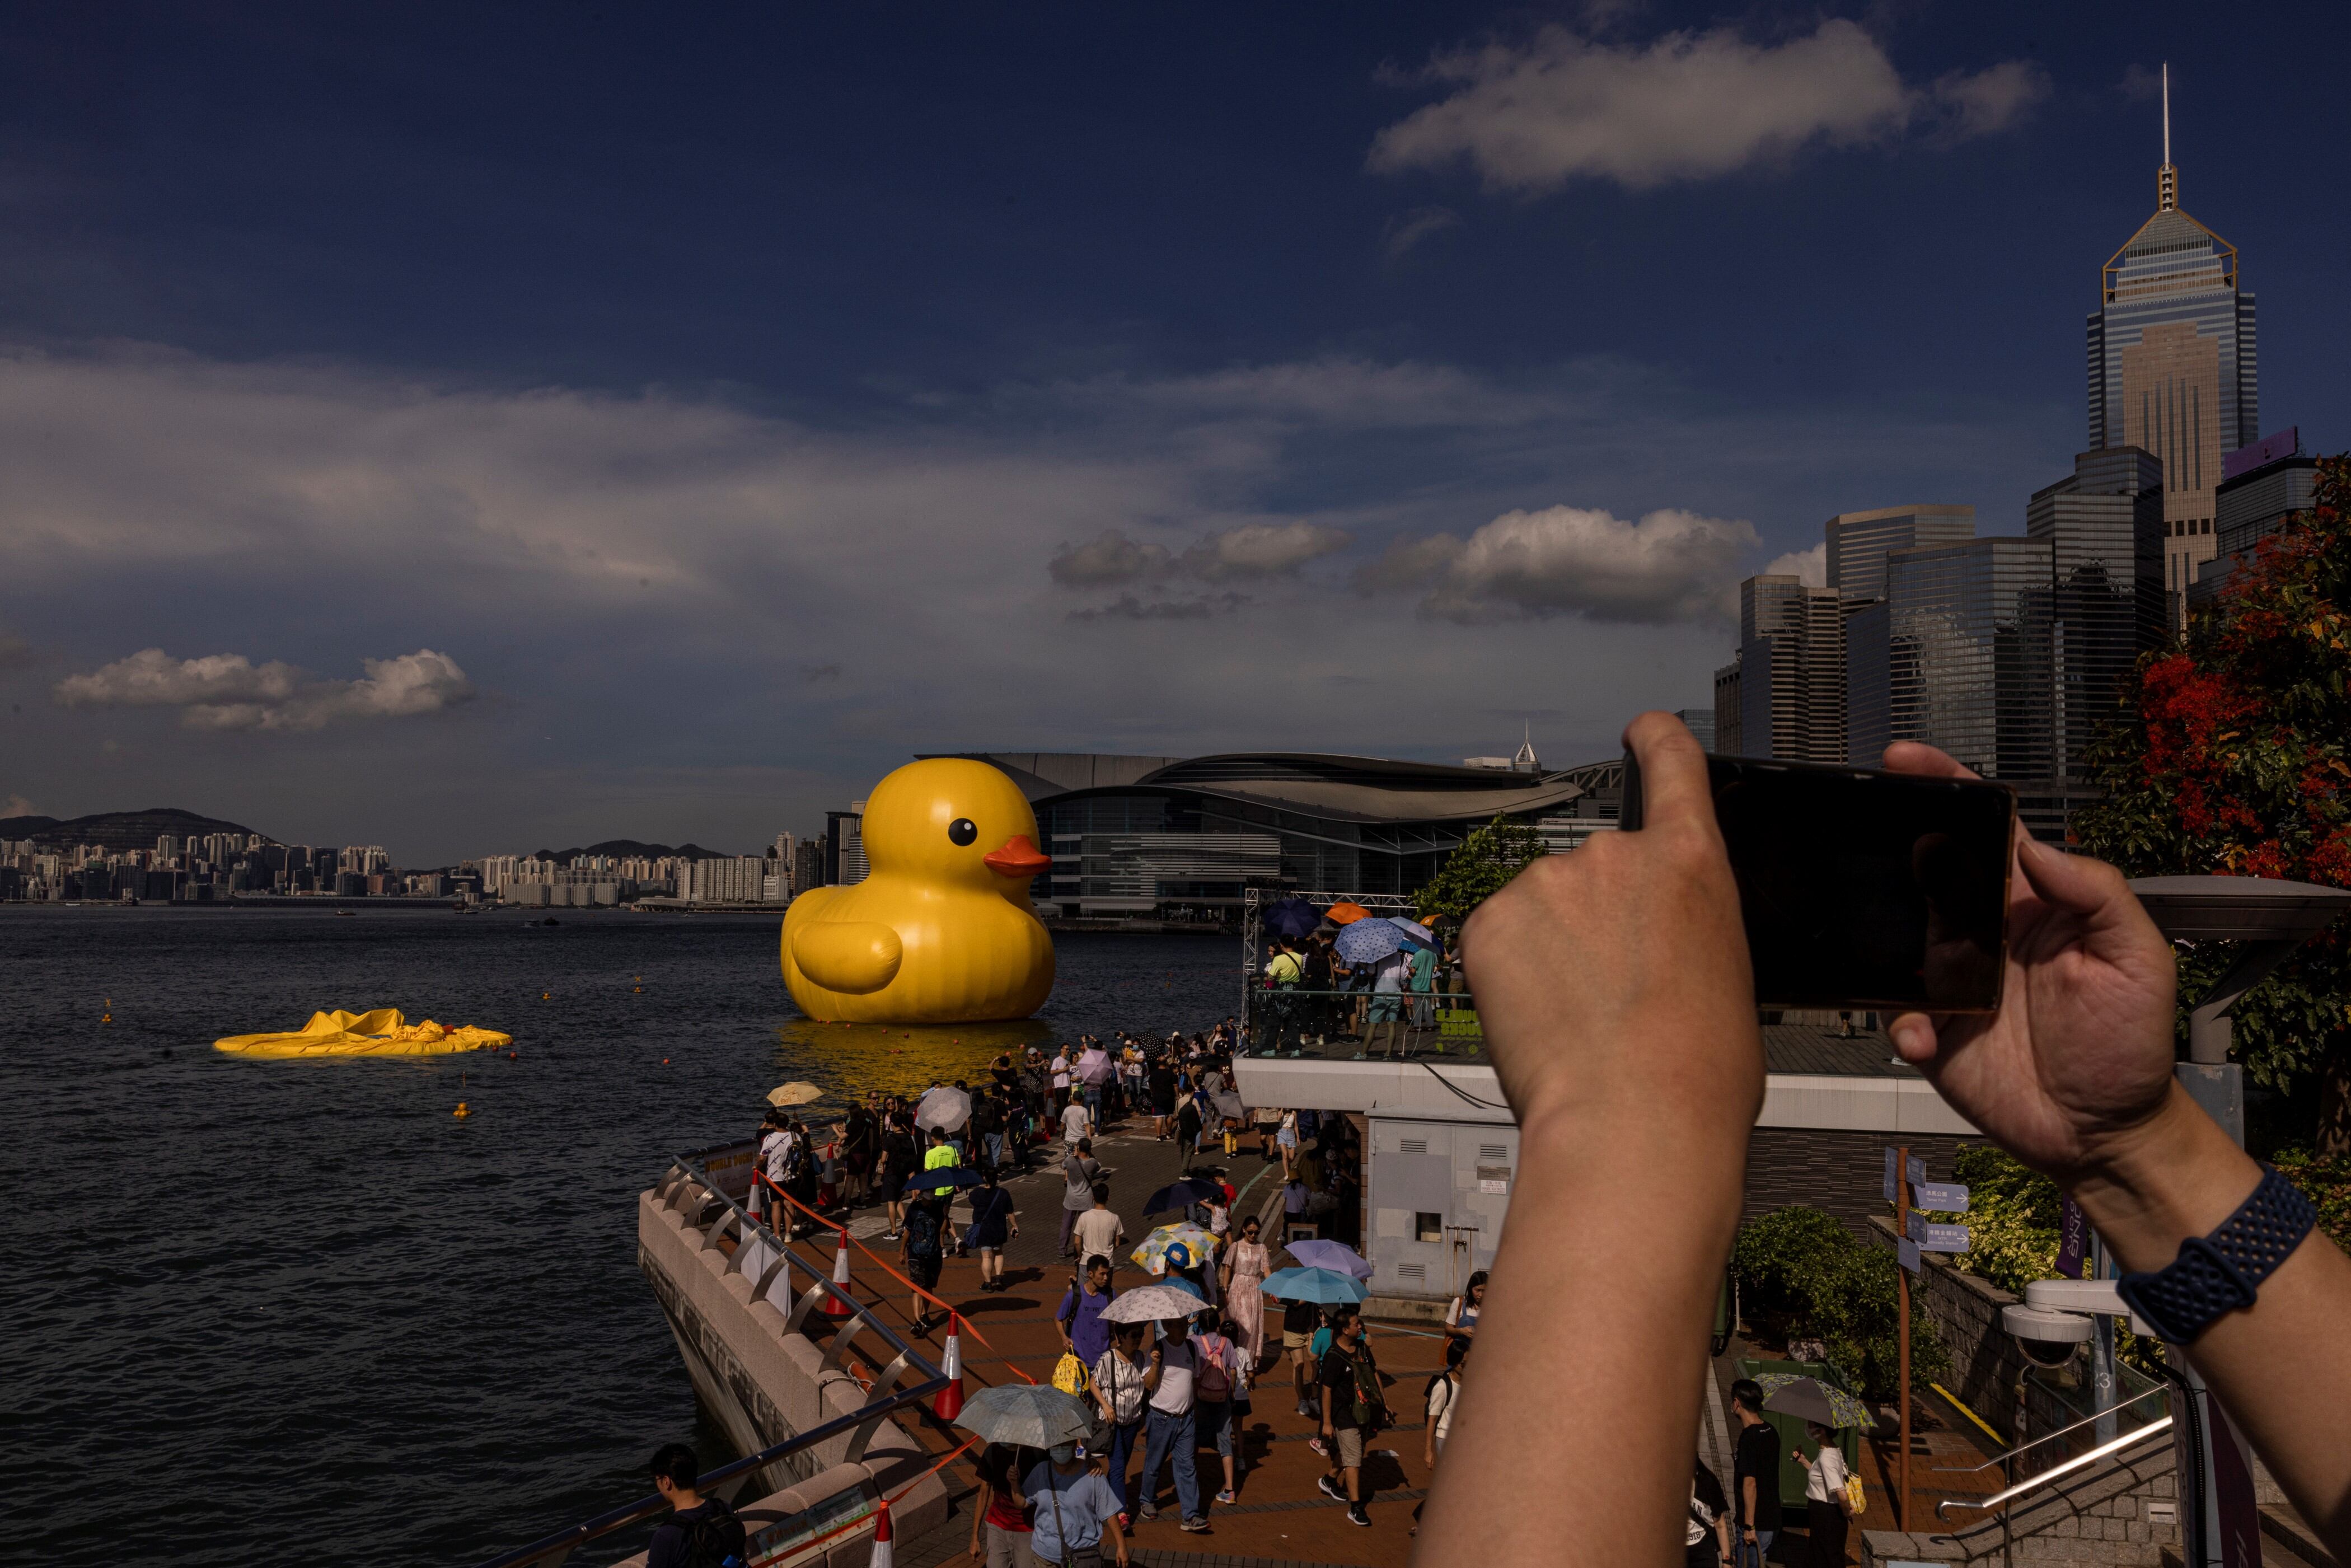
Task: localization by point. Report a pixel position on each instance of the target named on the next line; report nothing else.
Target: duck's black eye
(962, 830)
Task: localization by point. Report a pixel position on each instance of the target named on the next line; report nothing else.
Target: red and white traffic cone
(838, 1306)
(883, 1555)
(949, 1402)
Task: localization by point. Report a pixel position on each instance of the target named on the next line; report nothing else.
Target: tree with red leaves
(2237, 766)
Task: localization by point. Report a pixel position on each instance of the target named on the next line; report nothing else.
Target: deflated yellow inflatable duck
(382, 1033)
(940, 931)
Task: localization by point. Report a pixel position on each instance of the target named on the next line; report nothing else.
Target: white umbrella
(794, 1093)
(944, 1108)
(1150, 1303)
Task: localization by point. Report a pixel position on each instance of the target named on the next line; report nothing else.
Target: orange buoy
(460, 1110)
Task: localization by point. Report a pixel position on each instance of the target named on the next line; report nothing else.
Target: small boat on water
(346, 913)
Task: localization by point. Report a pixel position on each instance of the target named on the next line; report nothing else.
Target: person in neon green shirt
(942, 1157)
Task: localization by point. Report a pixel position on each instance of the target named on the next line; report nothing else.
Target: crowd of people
(1312, 993)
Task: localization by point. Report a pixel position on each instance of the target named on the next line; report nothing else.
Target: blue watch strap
(2220, 1273)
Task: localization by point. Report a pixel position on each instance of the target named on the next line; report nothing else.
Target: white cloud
(1671, 566)
(1811, 565)
(228, 691)
(18, 806)
(1686, 106)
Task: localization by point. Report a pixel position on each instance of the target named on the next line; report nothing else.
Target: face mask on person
(1065, 1453)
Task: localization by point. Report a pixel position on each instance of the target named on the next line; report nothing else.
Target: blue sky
(583, 422)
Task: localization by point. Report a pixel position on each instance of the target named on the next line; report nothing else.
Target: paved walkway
(1281, 1517)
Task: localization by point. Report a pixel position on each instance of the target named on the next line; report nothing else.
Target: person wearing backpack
(1354, 1410)
(701, 1531)
(922, 1247)
(1217, 1393)
(1444, 1392)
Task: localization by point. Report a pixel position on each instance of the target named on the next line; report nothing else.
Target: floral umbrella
(1153, 1253)
(1813, 1400)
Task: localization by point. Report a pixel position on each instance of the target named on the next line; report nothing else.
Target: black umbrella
(1290, 917)
(944, 1175)
(1182, 1195)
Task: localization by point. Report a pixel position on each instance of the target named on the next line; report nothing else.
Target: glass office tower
(1963, 643)
(2173, 368)
(1859, 542)
(2104, 524)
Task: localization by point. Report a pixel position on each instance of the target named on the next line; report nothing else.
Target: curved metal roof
(1365, 789)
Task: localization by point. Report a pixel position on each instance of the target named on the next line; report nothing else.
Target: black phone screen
(1861, 889)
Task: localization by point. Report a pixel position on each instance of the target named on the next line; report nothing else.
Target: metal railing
(686, 1182)
(2042, 1480)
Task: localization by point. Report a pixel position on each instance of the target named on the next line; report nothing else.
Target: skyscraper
(1859, 542)
(2172, 364)
(2105, 606)
(1785, 694)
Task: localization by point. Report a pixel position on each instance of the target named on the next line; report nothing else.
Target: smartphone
(1864, 890)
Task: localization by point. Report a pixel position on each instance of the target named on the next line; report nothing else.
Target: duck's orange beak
(1019, 857)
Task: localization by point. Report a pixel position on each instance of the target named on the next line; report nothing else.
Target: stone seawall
(766, 1386)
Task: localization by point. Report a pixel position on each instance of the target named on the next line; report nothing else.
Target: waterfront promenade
(1281, 1516)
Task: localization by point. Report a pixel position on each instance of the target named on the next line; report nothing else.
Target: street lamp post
(2269, 919)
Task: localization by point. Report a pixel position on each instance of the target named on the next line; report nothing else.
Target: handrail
(885, 1398)
(2107, 1413)
(2034, 1483)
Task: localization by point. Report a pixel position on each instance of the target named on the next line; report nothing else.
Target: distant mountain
(619, 848)
(116, 831)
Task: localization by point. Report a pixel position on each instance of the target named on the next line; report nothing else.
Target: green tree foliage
(1801, 1273)
(2238, 766)
(2013, 1219)
(1487, 859)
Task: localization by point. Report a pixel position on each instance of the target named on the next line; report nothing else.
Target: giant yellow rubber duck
(940, 930)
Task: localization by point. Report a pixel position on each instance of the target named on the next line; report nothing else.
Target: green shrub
(1802, 1274)
(2327, 1184)
(2013, 1219)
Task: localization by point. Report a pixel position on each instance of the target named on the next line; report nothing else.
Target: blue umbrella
(1321, 1286)
(1367, 940)
(946, 1175)
(1290, 917)
(1330, 1257)
(1182, 1195)
(1414, 930)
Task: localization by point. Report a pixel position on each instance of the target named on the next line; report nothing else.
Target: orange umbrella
(1344, 912)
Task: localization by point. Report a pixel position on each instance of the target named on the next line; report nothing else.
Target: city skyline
(476, 481)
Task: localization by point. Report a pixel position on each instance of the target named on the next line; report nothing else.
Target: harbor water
(286, 1311)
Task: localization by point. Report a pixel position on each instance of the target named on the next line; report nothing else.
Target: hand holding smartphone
(1861, 889)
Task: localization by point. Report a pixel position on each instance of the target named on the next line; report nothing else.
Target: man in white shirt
(1076, 1123)
(1387, 1004)
(1172, 1433)
(1061, 1073)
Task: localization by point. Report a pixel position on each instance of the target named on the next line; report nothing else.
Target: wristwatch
(2217, 1274)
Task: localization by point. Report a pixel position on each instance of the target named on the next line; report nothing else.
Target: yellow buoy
(546, 996)
(460, 1110)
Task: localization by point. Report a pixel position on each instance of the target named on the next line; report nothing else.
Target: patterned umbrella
(1153, 1253)
(794, 1093)
(1367, 940)
(1150, 1303)
(1812, 1399)
(944, 1108)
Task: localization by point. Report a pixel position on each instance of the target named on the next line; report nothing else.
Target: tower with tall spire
(2172, 364)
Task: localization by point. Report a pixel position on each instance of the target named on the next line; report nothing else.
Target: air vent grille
(1412, 1146)
(1493, 1150)
(1417, 1272)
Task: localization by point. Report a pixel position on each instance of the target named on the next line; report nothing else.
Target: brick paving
(1281, 1517)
